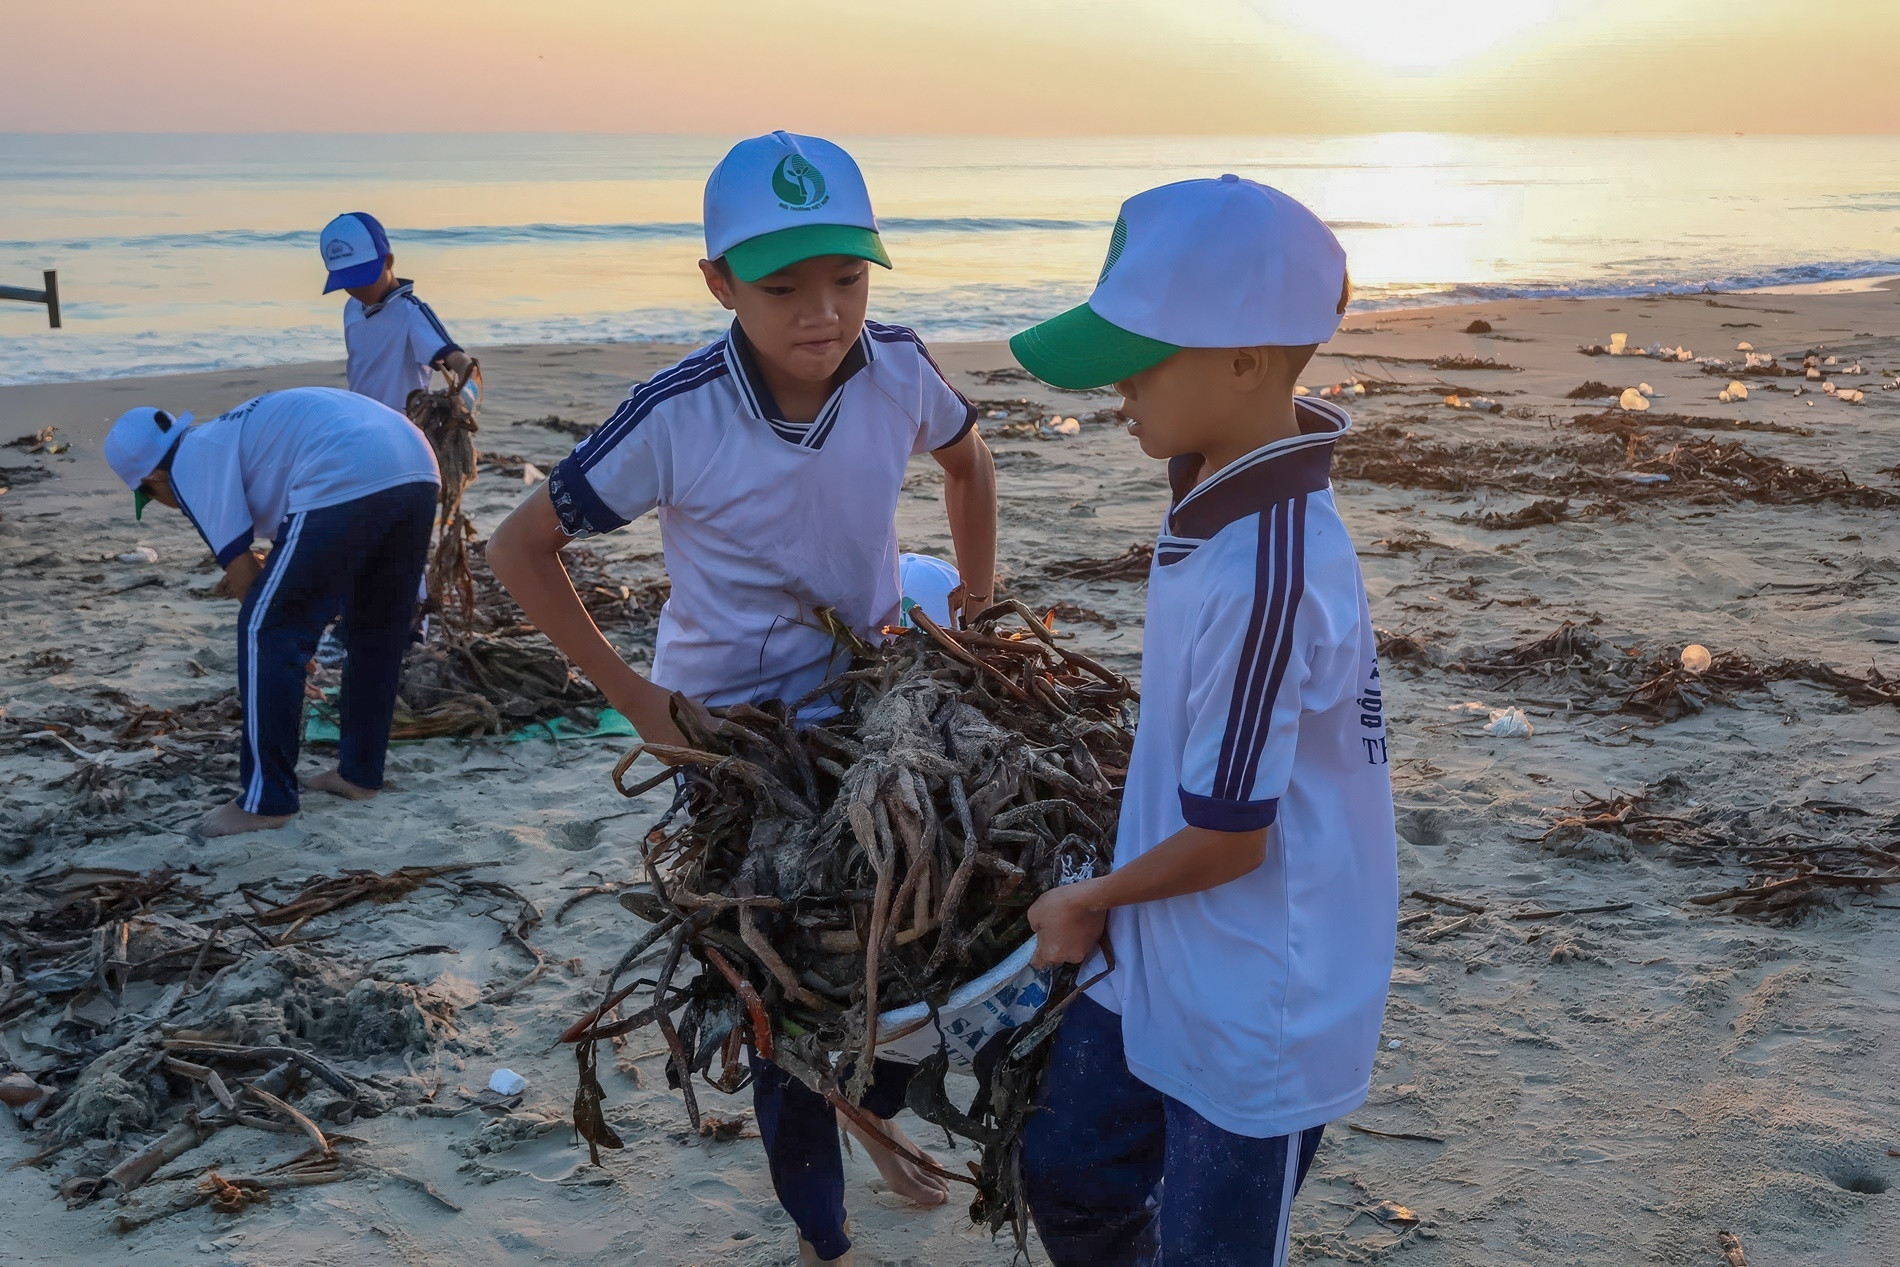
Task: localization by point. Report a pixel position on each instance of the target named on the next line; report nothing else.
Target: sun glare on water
(1415, 35)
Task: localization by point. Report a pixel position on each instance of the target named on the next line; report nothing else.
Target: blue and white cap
(780, 198)
(354, 247)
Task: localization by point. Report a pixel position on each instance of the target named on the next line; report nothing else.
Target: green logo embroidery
(1116, 242)
(799, 185)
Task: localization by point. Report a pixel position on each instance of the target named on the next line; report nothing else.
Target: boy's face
(801, 319)
(377, 289)
(1172, 407)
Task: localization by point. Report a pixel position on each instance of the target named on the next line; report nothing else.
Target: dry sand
(1606, 1089)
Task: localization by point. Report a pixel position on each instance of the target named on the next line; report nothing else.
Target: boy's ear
(1252, 367)
(719, 282)
(389, 263)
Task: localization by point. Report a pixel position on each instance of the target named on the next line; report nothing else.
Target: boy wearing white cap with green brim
(774, 458)
(1252, 904)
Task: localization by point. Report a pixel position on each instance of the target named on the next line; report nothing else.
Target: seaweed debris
(824, 875)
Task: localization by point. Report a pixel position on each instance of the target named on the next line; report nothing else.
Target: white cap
(777, 199)
(138, 444)
(354, 247)
(1225, 263)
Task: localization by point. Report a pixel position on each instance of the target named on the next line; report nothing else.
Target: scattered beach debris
(1545, 511)
(1130, 565)
(1509, 723)
(1591, 390)
(1478, 326)
(1633, 400)
(156, 1014)
(829, 874)
(1483, 404)
(139, 554)
(1621, 462)
(566, 426)
(41, 441)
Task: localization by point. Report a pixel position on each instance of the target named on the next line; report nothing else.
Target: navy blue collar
(1272, 473)
(758, 399)
(403, 286)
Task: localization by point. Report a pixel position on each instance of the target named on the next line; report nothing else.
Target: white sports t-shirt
(1258, 1003)
(238, 476)
(764, 522)
(393, 345)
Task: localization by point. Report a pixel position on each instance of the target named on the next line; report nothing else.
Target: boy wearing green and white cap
(774, 457)
(1252, 903)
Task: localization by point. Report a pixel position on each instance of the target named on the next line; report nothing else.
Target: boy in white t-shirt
(1251, 909)
(394, 341)
(774, 458)
(346, 490)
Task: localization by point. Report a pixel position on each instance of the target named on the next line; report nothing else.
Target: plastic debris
(1744, 347)
(507, 1082)
(1641, 477)
(143, 554)
(1852, 396)
(1509, 723)
(1060, 426)
(1696, 658)
(1646, 389)
(1619, 344)
(531, 474)
(1633, 400)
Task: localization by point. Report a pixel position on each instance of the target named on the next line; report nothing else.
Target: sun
(1414, 35)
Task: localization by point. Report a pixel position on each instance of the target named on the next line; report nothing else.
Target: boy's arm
(525, 553)
(969, 501)
(1068, 921)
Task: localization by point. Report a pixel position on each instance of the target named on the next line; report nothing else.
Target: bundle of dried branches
(828, 874)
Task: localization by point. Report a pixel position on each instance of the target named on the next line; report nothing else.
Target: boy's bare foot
(229, 819)
(333, 782)
(905, 1178)
(808, 1257)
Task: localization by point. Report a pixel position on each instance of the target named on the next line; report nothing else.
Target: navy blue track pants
(1119, 1174)
(800, 1131)
(367, 555)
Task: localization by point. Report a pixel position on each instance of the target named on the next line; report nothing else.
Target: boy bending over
(1251, 909)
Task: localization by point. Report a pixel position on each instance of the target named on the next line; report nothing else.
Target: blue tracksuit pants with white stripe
(367, 554)
(1119, 1174)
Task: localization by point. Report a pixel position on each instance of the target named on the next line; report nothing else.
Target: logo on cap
(1117, 243)
(338, 249)
(799, 185)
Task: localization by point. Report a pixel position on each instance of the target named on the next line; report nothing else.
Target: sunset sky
(1012, 67)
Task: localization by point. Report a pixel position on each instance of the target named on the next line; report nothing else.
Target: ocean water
(199, 252)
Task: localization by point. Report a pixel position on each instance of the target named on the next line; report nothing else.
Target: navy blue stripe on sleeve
(1214, 814)
(903, 334)
(442, 353)
(232, 551)
(1279, 578)
(434, 323)
(579, 508)
(694, 372)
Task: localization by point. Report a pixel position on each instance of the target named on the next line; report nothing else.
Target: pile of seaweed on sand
(141, 1014)
(824, 875)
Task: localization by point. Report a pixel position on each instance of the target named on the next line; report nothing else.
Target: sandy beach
(1603, 1088)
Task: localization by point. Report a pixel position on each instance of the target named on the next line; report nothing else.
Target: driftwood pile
(823, 875)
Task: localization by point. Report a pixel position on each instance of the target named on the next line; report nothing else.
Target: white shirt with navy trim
(765, 523)
(240, 475)
(394, 345)
(1258, 1003)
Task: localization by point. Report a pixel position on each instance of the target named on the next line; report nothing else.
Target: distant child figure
(394, 340)
(774, 457)
(346, 490)
(1252, 905)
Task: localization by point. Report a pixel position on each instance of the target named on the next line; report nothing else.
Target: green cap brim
(1079, 350)
(140, 499)
(769, 252)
